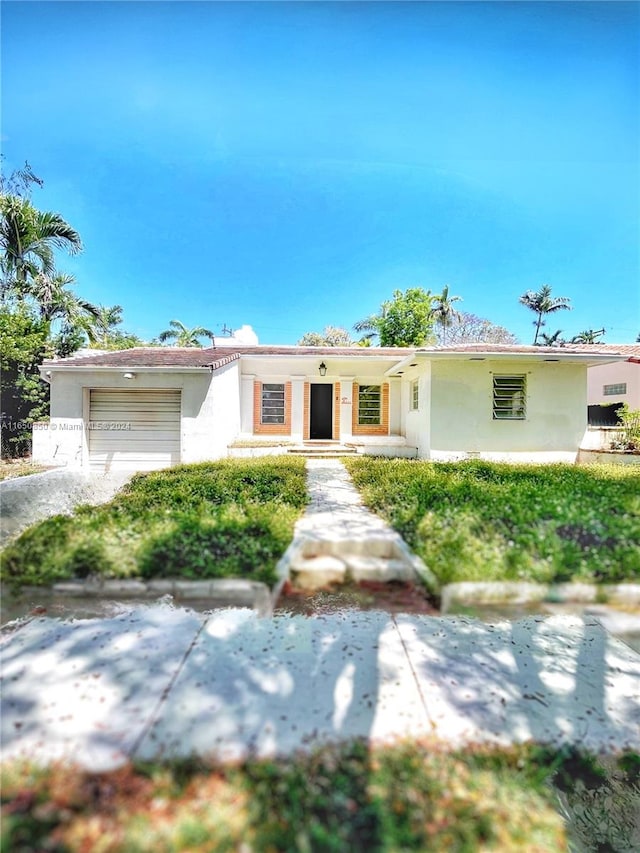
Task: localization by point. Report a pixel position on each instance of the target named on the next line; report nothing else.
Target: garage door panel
(152, 439)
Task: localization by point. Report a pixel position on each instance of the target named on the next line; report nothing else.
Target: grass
(473, 521)
(11, 468)
(412, 795)
(232, 518)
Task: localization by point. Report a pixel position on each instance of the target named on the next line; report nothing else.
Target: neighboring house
(146, 408)
(611, 385)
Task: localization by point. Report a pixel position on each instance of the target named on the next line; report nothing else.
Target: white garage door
(133, 430)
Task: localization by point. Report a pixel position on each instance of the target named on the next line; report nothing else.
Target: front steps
(322, 449)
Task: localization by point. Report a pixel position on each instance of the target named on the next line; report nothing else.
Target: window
(612, 390)
(272, 411)
(415, 394)
(509, 398)
(369, 404)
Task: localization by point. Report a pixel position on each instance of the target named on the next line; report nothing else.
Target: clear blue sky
(289, 165)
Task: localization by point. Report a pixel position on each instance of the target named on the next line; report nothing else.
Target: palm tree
(183, 336)
(587, 337)
(28, 238)
(553, 340)
(371, 325)
(107, 318)
(542, 303)
(444, 312)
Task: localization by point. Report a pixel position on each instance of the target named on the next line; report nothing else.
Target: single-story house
(146, 408)
(611, 385)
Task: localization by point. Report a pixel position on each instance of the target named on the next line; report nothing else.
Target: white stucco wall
(614, 374)
(210, 416)
(462, 420)
(417, 423)
(210, 413)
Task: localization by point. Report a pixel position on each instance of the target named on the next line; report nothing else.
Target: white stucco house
(147, 408)
(612, 384)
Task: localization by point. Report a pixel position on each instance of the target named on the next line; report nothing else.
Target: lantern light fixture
(323, 369)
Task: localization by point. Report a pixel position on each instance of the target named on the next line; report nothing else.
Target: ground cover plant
(11, 468)
(412, 795)
(475, 520)
(231, 518)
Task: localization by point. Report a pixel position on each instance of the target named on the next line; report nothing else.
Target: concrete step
(322, 451)
(324, 569)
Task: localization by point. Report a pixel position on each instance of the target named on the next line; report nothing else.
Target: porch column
(346, 407)
(297, 408)
(246, 404)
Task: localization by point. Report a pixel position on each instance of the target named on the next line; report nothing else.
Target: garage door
(133, 430)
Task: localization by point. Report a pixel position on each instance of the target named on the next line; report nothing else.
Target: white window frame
(509, 396)
(415, 395)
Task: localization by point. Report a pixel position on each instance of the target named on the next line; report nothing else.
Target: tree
(541, 302)
(405, 321)
(587, 337)
(471, 329)
(28, 238)
(444, 312)
(24, 344)
(553, 340)
(331, 336)
(183, 336)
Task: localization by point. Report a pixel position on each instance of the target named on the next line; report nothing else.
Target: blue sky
(289, 165)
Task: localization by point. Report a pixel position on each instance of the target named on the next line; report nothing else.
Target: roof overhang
(559, 356)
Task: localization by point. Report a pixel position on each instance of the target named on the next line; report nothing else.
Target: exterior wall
(271, 429)
(614, 374)
(210, 413)
(417, 424)
(461, 411)
(210, 416)
(371, 429)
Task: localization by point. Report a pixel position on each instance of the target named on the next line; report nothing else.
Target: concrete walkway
(158, 682)
(339, 539)
(155, 681)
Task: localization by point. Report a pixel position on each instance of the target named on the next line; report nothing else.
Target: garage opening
(133, 430)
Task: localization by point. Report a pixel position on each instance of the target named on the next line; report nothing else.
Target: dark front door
(321, 414)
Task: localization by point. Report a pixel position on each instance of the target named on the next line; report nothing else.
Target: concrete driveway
(25, 500)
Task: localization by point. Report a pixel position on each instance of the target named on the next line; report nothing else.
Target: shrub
(215, 519)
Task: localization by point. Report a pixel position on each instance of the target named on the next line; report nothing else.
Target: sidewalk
(158, 681)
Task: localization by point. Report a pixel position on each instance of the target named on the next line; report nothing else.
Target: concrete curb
(225, 592)
(468, 593)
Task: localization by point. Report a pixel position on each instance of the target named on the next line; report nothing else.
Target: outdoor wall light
(323, 369)
(129, 375)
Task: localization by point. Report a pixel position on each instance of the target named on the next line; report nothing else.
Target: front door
(321, 412)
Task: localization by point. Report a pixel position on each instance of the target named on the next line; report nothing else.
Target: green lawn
(232, 518)
(412, 795)
(472, 521)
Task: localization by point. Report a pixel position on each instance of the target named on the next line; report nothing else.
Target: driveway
(25, 500)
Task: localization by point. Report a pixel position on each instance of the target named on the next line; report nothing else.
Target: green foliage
(542, 303)
(630, 423)
(408, 320)
(25, 397)
(411, 795)
(473, 521)
(183, 336)
(232, 518)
